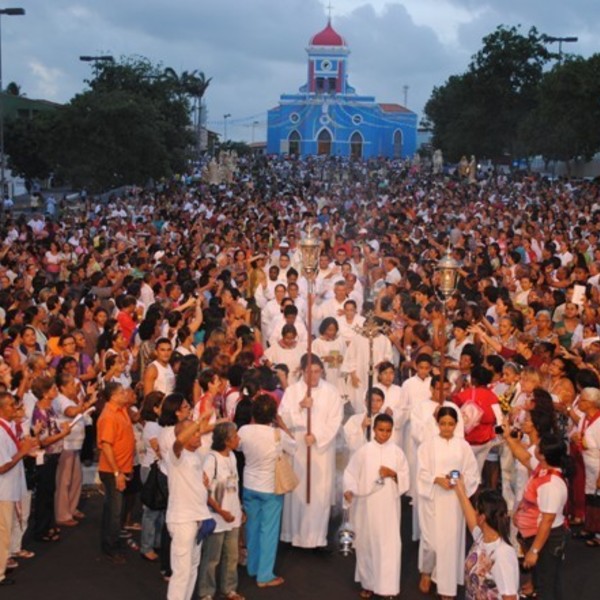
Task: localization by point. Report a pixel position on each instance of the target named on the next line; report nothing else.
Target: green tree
(566, 122)
(28, 145)
(481, 111)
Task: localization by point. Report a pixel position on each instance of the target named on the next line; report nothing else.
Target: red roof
(328, 37)
(397, 108)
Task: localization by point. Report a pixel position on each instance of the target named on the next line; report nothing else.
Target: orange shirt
(114, 426)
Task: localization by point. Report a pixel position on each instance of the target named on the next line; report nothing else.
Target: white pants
(22, 512)
(185, 558)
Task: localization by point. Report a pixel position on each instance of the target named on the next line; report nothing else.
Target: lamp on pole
(447, 269)
(310, 248)
(10, 12)
(254, 124)
(225, 117)
(107, 58)
(569, 39)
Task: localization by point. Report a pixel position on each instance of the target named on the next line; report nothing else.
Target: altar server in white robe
(374, 480)
(356, 365)
(305, 525)
(396, 404)
(442, 547)
(415, 389)
(356, 427)
(330, 348)
(424, 426)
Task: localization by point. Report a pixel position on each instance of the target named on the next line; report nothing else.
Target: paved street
(74, 568)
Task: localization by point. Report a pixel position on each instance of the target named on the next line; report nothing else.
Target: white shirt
(74, 441)
(151, 431)
(188, 496)
(261, 450)
(552, 497)
(223, 470)
(12, 483)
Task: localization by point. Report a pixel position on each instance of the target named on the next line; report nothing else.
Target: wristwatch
(535, 550)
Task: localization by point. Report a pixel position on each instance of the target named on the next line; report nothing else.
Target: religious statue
(463, 167)
(214, 174)
(438, 162)
(473, 170)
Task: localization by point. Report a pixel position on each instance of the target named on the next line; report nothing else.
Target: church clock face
(326, 65)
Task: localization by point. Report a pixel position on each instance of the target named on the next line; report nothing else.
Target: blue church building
(328, 117)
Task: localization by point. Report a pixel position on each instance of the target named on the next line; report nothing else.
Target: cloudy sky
(255, 49)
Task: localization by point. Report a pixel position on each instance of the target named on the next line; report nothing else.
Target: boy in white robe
(374, 480)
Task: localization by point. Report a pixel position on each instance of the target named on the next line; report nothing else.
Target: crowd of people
(161, 336)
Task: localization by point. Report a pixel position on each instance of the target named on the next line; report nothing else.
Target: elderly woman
(220, 550)
(587, 438)
(262, 442)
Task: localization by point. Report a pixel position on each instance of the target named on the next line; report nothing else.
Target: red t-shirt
(485, 399)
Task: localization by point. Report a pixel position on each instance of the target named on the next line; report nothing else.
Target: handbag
(592, 512)
(155, 491)
(217, 488)
(286, 479)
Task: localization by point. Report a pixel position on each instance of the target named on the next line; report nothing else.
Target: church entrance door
(324, 142)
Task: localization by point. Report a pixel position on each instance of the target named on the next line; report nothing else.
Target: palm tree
(191, 85)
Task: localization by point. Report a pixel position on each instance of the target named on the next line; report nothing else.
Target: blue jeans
(111, 515)
(152, 522)
(262, 532)
(219, 551)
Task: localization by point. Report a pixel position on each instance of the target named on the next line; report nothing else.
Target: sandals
(273, 583)
(425, 584)
(24, 554)
(593, 542)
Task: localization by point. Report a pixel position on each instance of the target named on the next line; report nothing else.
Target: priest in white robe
(374, 480)
(442, 547)
(304, 524)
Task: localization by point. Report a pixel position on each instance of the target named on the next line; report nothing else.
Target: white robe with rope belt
(376, 516)
(305, 525)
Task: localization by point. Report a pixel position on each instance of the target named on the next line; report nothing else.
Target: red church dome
(328, 37)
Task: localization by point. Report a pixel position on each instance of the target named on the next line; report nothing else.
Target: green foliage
(132, 125)
(481, 111)
(566, 122)
(27, 143)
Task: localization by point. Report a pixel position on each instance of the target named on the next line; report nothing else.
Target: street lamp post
(569, 39)
(310, 248)
(97, 59)
(225, 117)
(10, 12)
(447, 269)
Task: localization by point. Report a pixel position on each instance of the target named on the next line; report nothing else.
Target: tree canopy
(133, 124)
(519, 99)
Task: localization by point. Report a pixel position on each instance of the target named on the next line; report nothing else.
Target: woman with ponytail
(491, 567)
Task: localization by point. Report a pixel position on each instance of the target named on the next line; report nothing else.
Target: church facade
(328, 117)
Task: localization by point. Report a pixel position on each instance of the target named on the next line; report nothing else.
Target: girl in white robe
(374, 480)
(355, 428)
(356, 366)
(396, 404)
(423, 426)
(442, 547)
(304, 524)
(286, 351)
(330, 348)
